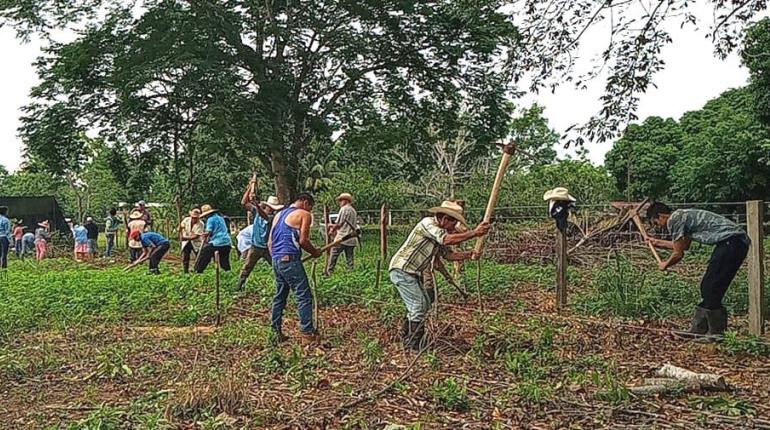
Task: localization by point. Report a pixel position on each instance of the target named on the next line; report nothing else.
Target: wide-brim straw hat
(207, 210)
(44, 224)
(451, 209)
(135, 215)
(559, 194)
(274, 203)
(195, 213)
(345, 196)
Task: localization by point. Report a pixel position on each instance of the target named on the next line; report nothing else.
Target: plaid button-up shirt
(422, 244)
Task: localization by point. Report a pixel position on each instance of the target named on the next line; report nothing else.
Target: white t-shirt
(244, 238)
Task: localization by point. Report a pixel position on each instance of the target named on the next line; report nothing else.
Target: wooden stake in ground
(219, 308)
(756, 258)
(313, 289)
(383, 244)
(327, 239)
(561, 269)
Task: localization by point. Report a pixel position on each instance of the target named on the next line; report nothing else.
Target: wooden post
(561, 270)
(754, 218)
(327, 239)
(383, 244)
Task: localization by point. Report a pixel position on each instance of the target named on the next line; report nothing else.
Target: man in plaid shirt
(429, 238)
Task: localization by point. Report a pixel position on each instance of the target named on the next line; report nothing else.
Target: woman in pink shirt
(18, 234)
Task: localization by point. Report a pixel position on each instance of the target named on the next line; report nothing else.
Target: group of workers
(23, 241)
(280, 234)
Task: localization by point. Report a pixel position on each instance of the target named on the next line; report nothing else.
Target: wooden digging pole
(508, 151)
(219, 304)
(754, 217)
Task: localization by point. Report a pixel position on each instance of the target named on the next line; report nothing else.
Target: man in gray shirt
(731, 248)
(345, 225)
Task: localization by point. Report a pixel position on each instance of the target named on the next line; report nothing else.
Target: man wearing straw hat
(430, 237)
(136, 223)
(217, 237)
(263, 220)
(345, 226)
(191, 237)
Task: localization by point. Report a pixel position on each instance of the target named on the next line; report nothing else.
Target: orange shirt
(18, 233)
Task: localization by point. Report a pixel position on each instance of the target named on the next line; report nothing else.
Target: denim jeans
(110, 245)
(290, 275)
(18, 245)
(412, 293)
(5, 245)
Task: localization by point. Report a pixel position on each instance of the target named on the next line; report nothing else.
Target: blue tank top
(285, 238)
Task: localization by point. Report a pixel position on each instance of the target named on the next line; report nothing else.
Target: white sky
(692, 76)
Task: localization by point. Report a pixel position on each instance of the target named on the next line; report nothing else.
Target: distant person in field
(42, 236)
(5, 237)
(429, 238)
(262, 213)
(346, 223)
(80, 233)
(135, 223)
(27, 244)
(731, 245)
(111, 225)
(154, 247)
(18, 235)
(93, 237)
(289, 236)
(191, 231)
(141, 207)
(217, 239)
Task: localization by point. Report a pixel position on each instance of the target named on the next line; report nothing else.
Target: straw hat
(195, 213)
(559, 194)
(89, 219)
(345, 196)
(274, 204)
(44, 224)
(207, 210)
(135, 215)
(451, 209)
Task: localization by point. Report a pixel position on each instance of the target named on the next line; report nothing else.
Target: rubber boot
(431, 293)
(415, 336)
(404, 331)
(700, 323)
(717, 321)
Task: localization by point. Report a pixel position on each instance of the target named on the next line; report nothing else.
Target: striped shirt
(422, 244)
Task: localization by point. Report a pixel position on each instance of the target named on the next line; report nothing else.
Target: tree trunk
(283, 184)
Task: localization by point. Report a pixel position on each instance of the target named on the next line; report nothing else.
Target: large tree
(756, 56)
(272, 77)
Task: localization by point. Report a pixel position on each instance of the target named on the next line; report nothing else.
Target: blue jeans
(412, 293)
(290, 275)
(5, 245)
(18, 245)
(110, 244)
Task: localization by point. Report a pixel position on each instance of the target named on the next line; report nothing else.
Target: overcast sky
(692, 76)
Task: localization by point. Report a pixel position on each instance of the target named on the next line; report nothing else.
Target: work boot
(241, 284)
(404, 332)
(717, 321)
(700, 323)
(279, 337)
(415, 336)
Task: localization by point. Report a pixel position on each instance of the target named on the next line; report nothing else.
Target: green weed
(112, 364)
(371, 349)
(749, 345)
(451, 395)
(727, 405)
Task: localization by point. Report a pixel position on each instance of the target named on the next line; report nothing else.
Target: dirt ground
(572, 373)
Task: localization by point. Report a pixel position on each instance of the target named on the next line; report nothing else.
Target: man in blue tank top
(289, 236)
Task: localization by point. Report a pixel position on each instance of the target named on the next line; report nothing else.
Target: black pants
(725, 261)
(157, 254)
(207, 254)
(253, 255)
(134, 254)
(5, 246)
(186, 256)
